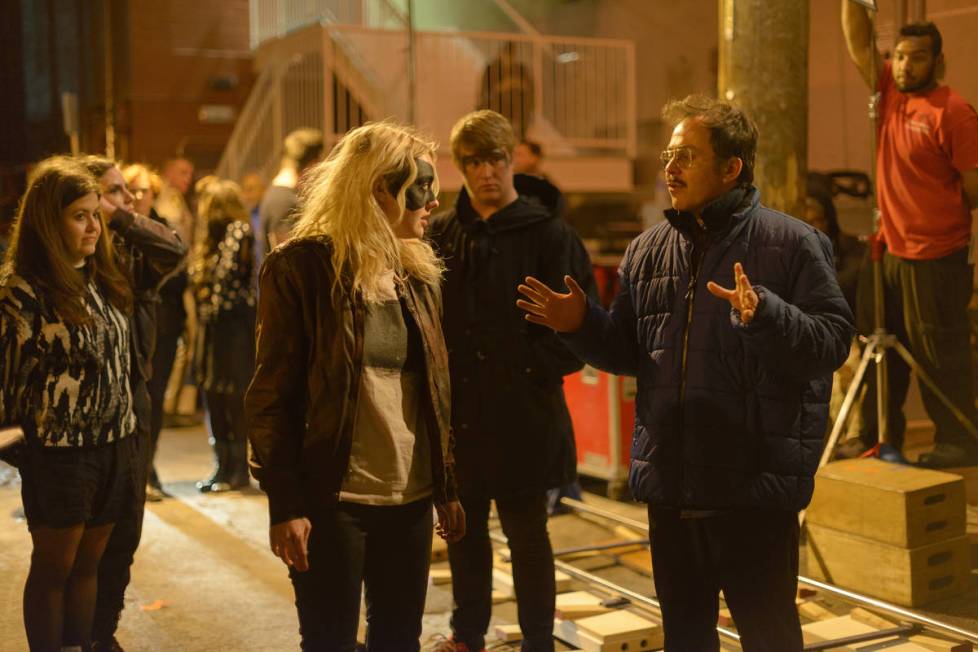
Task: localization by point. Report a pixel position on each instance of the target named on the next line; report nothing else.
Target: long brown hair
(37, 248)
(219, 205)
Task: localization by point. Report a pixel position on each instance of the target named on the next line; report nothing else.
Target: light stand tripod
(881, 342)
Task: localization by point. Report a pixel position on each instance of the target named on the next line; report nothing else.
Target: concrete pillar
(764, 70)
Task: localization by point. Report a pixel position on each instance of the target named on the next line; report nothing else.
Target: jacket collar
(537, 201)
(718, 216)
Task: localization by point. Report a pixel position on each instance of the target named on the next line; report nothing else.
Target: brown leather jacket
(303, 396)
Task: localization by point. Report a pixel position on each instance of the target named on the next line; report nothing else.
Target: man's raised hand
(563, 313)
(742, 297)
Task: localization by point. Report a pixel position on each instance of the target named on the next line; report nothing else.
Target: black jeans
(751, 555)
(524, 521)
(387, 549)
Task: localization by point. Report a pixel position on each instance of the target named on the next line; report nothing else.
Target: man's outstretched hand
(742, 297)
(563, 313)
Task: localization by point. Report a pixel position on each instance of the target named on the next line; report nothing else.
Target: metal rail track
(851, 596)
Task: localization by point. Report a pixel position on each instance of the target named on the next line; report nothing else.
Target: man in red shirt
(927, 185)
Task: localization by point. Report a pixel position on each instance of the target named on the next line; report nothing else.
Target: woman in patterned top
(64, 379)
(221, 273)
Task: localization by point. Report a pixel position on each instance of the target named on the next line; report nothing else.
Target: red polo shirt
(925, 142)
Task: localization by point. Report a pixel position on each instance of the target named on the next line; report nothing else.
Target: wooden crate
(909, 577)
(899, 505)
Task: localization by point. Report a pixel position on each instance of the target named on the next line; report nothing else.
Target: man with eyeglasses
(730, 315)
(513, 434)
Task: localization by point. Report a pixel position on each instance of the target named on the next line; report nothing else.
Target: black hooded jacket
(513, 432)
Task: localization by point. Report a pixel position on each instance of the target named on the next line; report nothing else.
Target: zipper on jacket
(696, 255)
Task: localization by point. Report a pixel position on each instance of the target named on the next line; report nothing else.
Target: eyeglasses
(475, 161)
(682, 155)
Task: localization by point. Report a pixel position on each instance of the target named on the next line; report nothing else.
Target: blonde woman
(145, 185)
(221, 273)
(349, 406)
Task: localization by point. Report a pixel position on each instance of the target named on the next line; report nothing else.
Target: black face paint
(421, 193)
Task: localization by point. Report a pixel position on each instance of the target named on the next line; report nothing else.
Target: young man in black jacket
(513, 432)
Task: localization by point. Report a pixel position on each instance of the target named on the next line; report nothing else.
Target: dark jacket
(513, 430)
(729, 415)
(224, 349)
(303, 397)
(150, 251)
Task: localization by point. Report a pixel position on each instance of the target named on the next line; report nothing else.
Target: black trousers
(163, 358)
(387, 550)
(524, 521)
(751, 555)
(926, 308)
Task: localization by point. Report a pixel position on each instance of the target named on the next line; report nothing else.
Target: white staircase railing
(334, 64)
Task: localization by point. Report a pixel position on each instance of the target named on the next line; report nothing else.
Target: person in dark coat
(222, 279)
(514, 438)
(731, 316)
(150, 253)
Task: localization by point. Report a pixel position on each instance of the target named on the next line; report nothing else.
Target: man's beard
(918, 86)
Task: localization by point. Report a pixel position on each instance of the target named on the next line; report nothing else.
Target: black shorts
(67, 487)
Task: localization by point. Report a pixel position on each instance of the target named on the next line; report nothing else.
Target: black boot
(222, 459)
(238, 476)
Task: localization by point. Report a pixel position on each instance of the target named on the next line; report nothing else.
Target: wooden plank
(936, 644)
(439, 576)
(724, 619)
(508, 633)
(439, 550)
(813, 610)
(639, 561)
(578, 604)
(896, 504)
(834, 628)
(909, 577)
(867, 617)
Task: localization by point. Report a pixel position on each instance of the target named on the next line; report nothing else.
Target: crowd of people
(397, 369)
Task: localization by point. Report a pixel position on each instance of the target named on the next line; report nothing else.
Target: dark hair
(924, 29)
(97, 165)
(535, 148)
(732, 133)
(303, 147)
(819, 187)
(37, 249)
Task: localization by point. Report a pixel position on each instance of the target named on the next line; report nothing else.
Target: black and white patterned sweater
(64, 385)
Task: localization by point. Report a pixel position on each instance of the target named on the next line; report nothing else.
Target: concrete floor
(205, 580)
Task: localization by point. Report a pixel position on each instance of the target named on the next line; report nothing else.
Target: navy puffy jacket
(748, 429)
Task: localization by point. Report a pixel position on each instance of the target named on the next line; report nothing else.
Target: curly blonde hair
(337, 202)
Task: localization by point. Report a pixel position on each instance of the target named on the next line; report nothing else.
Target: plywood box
(610, 632)
(908, 577)
(899, 505)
